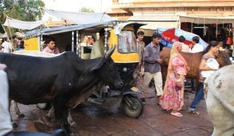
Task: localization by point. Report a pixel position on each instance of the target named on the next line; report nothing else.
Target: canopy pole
(72, 46)
(204, 27)
(216, 32)
(78, 50)
(191, 28)
(106, 40)
(178, 22)
(10, 33)
(40, 43)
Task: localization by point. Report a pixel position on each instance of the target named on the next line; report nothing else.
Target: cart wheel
(44, 106)
(132, 106)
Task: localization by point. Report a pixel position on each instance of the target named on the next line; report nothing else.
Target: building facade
(190, 15)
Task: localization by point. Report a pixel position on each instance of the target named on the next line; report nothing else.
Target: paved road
(94, 121)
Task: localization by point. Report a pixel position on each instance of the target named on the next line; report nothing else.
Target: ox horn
(109, 52)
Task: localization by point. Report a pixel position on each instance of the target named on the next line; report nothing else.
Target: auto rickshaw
(126, 54)
(119, 34)
(123, 37)
(126, 58)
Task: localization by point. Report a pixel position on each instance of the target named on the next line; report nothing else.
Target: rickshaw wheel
(132, 106)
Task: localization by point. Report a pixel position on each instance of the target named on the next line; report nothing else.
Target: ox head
(223, 58)
(108, 71)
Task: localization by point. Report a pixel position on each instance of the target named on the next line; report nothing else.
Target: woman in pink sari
(173, 95)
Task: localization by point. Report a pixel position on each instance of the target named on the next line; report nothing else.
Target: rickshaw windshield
(127, 42)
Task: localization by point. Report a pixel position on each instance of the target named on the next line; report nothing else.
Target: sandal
(177, 114)
(194, 112)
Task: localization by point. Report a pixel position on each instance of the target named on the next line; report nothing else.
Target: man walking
(152, 64)
(140, 68)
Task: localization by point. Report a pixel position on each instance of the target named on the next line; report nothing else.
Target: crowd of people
(171, 96)
(9, 45)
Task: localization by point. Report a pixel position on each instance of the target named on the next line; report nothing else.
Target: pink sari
(173, 96)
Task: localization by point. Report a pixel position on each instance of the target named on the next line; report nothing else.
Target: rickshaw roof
(80, 20)
(90, 27)
(119, 27)
(64, 29)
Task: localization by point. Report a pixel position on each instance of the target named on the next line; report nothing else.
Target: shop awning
(155, 21)
(24, 25)
(155, 25)
(206, 20)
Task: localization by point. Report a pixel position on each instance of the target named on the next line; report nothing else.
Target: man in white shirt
(196, 47)
(6, 46)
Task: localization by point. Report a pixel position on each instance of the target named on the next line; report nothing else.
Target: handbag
(229, 41)
(179, 83)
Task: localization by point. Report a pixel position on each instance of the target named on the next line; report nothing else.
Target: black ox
(65, 80)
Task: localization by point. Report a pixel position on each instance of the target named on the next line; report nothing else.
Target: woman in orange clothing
(173, 95)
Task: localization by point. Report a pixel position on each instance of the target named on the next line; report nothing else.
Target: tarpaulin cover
(171, 35)
(80, 17)
(24, 25)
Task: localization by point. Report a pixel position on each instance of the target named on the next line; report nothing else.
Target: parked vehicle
(126, 58)
(122, 35)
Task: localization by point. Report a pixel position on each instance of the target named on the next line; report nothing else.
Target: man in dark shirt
(152, 64)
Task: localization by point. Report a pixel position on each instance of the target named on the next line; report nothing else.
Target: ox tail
(218, 88)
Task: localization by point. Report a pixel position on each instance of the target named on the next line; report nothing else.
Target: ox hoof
(14, 125)
(72, 134)
(48, 118)
(21, 115)
(41, 127)
(73, 124)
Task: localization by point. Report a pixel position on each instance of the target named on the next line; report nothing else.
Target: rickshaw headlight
(125, 69)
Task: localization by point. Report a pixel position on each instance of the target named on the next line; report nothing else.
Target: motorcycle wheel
(132, 106)
(44, 106)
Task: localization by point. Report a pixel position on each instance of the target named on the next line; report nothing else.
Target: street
(154, 121)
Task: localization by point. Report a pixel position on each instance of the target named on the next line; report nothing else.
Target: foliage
(26, 10)
(87, 10)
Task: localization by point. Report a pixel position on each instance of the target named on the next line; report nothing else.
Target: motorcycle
(126, 99)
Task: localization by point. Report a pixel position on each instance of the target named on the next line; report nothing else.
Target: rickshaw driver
(98, 48)
(50, 46)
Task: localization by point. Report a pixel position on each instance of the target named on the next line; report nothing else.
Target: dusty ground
(93, 121)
